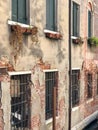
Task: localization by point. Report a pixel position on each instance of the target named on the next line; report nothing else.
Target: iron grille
(20, 102)
(75, 87)
(89, 85)
(51, 80)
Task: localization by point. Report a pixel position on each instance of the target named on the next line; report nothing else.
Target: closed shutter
(22, 11)
(14, 10)
(89, 24)
(75, 19)
(50, 14)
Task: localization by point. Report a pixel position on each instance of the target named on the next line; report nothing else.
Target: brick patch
(1, 120)
(35, 122)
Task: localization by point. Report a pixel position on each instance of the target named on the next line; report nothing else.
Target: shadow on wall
(4, 50)
(36, 51)
(60, 55)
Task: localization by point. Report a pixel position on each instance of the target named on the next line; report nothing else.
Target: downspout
(70, 70)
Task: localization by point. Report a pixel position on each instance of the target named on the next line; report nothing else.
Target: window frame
(75, 27)
(75, 87)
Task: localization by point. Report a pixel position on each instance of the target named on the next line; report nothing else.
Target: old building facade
(33, 58)
(34, 64)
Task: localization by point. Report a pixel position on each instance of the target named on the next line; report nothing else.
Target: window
(89, 19)
(20, 101)
(75, 19)
(89, 24)
(89, 85)
(51, 79)
(75, 87)
(51, 17)
(19, 11)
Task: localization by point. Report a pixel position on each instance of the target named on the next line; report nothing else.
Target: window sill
(10, 22)
(50, 120)
(77, 40)
(52, 34)
(50, 70)
(89, 100)
(74, 37)
(24, 28)
(75, 108)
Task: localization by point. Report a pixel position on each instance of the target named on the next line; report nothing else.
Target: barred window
(51, 81)
(20, 101)
(75, 87)
(89, 85)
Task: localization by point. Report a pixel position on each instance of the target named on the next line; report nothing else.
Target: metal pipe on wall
(70, 70)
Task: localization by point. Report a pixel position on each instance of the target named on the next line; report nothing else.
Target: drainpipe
(54, 108)
(70, 70)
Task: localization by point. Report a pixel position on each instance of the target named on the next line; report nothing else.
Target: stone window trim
(27, 29)
(53, 34)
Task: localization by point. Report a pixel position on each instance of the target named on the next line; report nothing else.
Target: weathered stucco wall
(54, 52)
(32, 51)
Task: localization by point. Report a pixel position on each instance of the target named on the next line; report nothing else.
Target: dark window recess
(75, 20)
(75, 87)
(3, 71)
(51, 15)
(19, 11)
(20, 102)
(89, 85)
(51, 80)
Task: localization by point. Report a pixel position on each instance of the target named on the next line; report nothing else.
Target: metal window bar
(20, 102)
(89, 85)
(51, 80)
(75, 87)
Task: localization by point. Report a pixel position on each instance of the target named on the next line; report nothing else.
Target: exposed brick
(35, 121)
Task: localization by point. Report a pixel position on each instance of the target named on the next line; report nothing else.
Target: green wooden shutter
(89, 23)
(50, 14)
(47, 14)
(75, 19)
(22, 11)
(14, 10)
